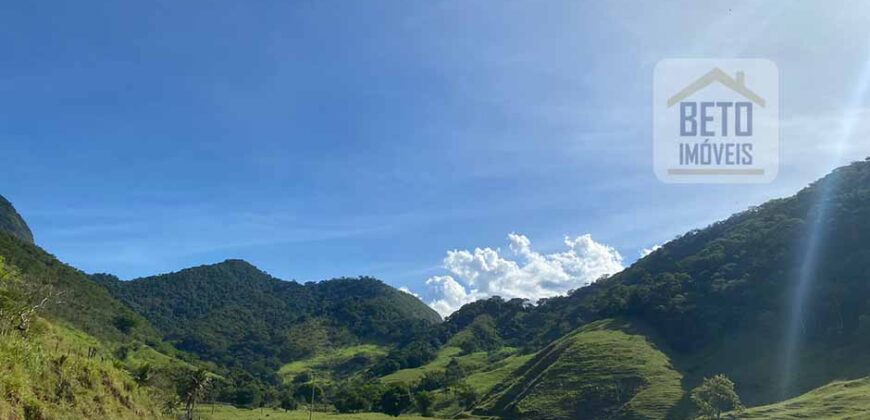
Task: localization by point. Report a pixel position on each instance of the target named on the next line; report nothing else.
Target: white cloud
(451, 294)
(646, 251)
(408, 291)
(525, 273)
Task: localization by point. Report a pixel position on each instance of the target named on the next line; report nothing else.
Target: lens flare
(806, 276)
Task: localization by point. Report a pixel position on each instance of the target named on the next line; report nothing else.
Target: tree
(715, 396)
(288, 402)
(454, 372)
(248, 394)
(466, 395)
(195, 387)
(21, 301)
(424, 401)
(396, 399)
(432, 380)
(349, 400)
(125, 323)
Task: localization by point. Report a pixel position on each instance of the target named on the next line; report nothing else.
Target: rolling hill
(714, 300)
(238, 316)
(81, 303)
(837, 400)
(606, 369)
(720, 298)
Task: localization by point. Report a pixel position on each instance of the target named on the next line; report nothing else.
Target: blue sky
(322, 139)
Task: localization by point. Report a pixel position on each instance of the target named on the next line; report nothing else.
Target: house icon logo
(712, 127)
(737, 84)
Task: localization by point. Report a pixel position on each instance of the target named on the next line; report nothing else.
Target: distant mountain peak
(12, 223)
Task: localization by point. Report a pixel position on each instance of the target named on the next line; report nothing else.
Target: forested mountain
(719, 300)
(722, 297)
(238, 316)
(59, 338)
(76, 299)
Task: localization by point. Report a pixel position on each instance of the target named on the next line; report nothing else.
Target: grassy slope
(487, 378)
(210, 309)
(484, 371)
(49, 375)
(85, 305)
(605, 369)
(838, 400)
(332, 362)
(222, 412)
(409, 376)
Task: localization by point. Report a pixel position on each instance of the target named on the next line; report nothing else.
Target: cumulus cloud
(450, 294)
(522, 273)
(646, 251)
(408, 291)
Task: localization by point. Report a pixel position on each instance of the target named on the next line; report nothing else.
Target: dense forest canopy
(236, 315)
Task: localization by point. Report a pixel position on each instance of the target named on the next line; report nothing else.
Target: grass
(409, 376)
(485, 370)
(50, 374)
(142, 354)
(332, 361)
(485, 380)
(606, 369)
(837, 400)
(470, 362)
(222, 412)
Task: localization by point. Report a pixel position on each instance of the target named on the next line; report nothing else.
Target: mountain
(238, 316)
(775, 298)
(12, 223)
(722, 299)
(77, 300)
(714, 300)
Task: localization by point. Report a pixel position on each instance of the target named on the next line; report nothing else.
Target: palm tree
(195, 389)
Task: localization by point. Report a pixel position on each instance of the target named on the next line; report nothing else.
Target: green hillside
(412, 375)
(49, 375)
(48, 371)
(720, 297)
(838, 400)
(80, 302)
(607, 369)
(335, 364)
(238, 316)
(208, 412)
(713, 301)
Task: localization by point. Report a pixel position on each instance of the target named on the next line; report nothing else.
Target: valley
(228, 340)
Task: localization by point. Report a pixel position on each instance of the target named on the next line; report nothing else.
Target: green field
(221, 412)
(838, 400)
